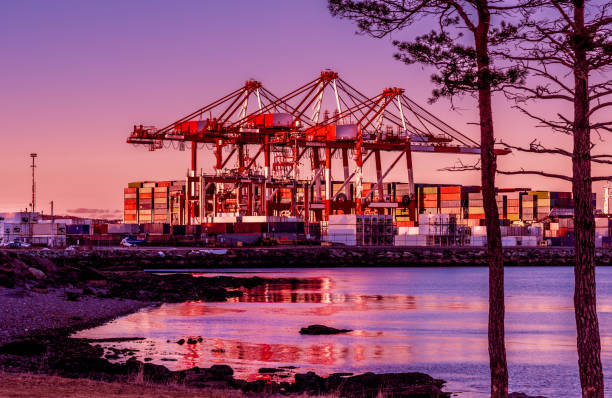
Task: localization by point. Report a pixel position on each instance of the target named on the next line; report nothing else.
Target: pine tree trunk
(497, 348)
(585, 305)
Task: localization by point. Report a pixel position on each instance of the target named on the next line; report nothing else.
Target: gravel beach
(24, 313)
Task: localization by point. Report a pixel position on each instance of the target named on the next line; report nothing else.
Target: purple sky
(76, 75)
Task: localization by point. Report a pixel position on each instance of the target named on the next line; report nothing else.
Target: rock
(270, 370)
(309, 382)
(181, 342)
(192, 341)
(91, 274)
(36, 273)
(390, 384)
(72, 295)
(221, 370)
(322, 329)
(24, 348)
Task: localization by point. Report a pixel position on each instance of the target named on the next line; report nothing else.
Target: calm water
(413, 319)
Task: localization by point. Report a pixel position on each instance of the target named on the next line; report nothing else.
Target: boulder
(36, 273)
(322, 329)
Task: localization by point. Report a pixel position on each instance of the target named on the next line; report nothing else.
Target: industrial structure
(268, 137)
(274, 180)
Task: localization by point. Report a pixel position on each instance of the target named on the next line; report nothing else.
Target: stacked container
(130, 205)
(174, 201)
(358, 229)
(403, 200)
(160, 204)
(543, 203)
(430, 200)
(502, 205)
(145, 205)
(450, 200)
(475, 208)
(513, 206)
(529, 205)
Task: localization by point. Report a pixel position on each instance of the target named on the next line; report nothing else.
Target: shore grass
(43, 386)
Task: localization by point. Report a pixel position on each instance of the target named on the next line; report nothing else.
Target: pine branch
(537, 147)
(535, 172)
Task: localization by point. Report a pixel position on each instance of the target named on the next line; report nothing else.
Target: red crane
(293, 126)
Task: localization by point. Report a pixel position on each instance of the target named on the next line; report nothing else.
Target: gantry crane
(292, 127)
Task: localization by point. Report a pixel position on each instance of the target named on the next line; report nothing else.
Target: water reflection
(431, 320)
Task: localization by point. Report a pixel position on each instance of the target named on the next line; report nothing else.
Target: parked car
(15, 245)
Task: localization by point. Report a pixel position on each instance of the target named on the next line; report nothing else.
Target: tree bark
(497, 348)
(585, 303)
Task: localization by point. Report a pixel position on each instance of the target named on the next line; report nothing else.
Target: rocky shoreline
(294, 257)
(48, 295)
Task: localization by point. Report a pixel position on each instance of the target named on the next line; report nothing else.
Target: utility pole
(33, 156)
(52, 217)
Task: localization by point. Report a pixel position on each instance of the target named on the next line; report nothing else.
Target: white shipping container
(478, 241)
(410, 240)
(407, 230)
(479, 231)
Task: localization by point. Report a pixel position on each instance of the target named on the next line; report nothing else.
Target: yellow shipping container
(540, 194)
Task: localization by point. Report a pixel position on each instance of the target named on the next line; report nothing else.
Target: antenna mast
(33, 156)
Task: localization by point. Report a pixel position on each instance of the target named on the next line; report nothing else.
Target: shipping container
(77, 229)
(155, 228)
(123, 229)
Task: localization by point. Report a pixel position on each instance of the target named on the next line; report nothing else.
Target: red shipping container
(164, 184)
(451, 190)
(214, 228)
(130, 201)
(100, 228)
(476, 216)
(130, 206)
(161, 194)
(145, 195)
(250, 227)
(130, 190)
(450, 196)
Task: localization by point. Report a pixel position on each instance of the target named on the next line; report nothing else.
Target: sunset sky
(76, 75)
